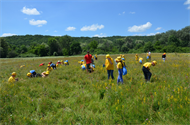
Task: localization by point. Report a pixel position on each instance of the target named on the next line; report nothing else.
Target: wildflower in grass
(116, 108)
(118, 101)
(155, 93)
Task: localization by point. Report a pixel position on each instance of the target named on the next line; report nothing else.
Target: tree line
(39, 45)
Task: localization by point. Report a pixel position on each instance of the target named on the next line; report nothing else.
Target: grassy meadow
(70, 95)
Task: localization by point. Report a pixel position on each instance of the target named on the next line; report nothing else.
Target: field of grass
(72, 96)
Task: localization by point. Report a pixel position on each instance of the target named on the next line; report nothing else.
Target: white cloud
(139, 35)
(46, 30)
(55, 31)
(140, 28)
(25, 18)
(29, 11)
(187, 2)
(93, 27)
(100, 35)
(7, 34)
(159, 28)
(124, 12)
(132, 12)
(70, 29)
(152, 34)
(39, 23)
(119, 14)
(188, 7)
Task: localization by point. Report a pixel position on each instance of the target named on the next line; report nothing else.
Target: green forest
(40, 45)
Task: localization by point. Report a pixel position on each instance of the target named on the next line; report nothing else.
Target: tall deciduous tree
(53, 45)
(4, 48)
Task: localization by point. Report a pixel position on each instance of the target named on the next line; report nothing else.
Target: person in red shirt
(88, 60)
(42, 64)
(50, 63)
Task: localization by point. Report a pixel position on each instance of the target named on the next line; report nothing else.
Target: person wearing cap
(45, 74)
(96, 57)
(140, 60)
(12, 78)
(120, 70)
(62, 62)
(136, 57)
(42, 64)
(49, 68)
(164, 57)
(123, 56)
(66, 62)
(149, 55)
(146, 70)
(109, 66)
(88, 60)
(32, 73)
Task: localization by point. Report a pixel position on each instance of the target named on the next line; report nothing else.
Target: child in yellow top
(123, 56)
(45, 74)
(109, 66)
(12, 78)
(120, 70)
(22, 66)
(49, 68)
(136, 57)
(140, 60)
(146, 68)
(96, 57)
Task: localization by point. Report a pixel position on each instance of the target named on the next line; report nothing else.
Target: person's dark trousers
(110, 72)
(147, 73)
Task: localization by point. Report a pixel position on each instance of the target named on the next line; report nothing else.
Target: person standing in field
(120, 70)
(146, 70)
(136, 57)
(140, 60)
(123, 56)
(12, 78)
(164, 57)
(149, 55)
(88, 60)
(96, 57)
(109, 66)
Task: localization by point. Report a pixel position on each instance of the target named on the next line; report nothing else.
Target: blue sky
(90, 18)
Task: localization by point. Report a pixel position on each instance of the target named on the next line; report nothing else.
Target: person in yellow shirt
(109, 66)
(62, 62)
(66, 62)
(22, 66)
(120, 70)
(123, 56)
(12, 78)
(146, 70)
(49, 68)
(136, 57)
(45, 74)
(140, 60)
(96, 57)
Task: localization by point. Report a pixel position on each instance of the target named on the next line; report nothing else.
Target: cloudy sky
(90, 18)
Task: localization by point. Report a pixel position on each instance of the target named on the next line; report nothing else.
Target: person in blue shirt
(53, 65)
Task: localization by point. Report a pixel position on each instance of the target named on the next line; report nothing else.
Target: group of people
(89, 65)
(51, 66)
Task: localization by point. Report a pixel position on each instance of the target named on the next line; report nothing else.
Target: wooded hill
(39, 45)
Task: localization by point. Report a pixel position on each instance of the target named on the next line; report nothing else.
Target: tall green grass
(72, 96)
